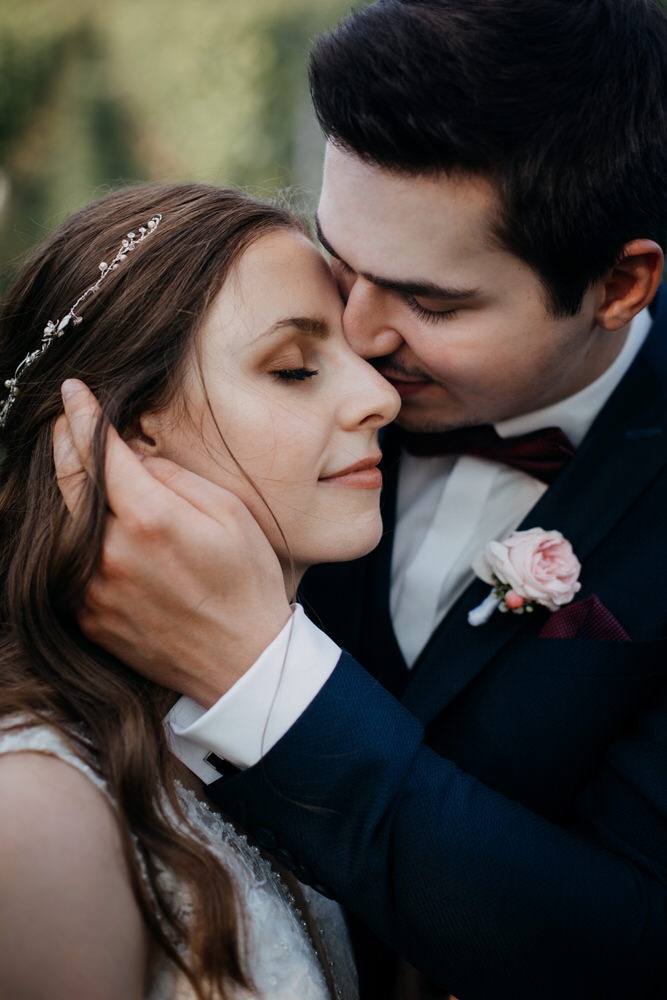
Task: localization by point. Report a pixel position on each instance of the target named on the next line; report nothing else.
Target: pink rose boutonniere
(527, 568)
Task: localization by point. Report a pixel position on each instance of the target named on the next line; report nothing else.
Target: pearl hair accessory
(55, 329)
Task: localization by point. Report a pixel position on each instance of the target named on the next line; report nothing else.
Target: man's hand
(189, 591)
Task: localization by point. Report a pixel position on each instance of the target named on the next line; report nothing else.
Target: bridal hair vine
(55, 329)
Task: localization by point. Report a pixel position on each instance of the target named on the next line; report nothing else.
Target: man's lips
(407, 387)
(363, 475)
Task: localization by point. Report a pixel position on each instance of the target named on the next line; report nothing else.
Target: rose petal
(538, 565)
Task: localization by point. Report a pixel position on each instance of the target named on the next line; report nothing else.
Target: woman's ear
(142, 437)
(631, 284)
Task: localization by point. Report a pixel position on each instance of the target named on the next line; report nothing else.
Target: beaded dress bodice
(281, 958)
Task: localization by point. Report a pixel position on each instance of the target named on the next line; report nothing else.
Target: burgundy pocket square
(587, 619)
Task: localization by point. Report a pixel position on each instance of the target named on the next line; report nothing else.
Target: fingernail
(138, 455)
(68, 388)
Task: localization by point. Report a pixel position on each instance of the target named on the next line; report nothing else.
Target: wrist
(228, 662)
(261, 707)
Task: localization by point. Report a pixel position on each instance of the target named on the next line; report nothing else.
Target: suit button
(284, 858)
(266, 838)
(322, 889)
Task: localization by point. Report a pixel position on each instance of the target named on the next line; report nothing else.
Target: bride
(209, 328)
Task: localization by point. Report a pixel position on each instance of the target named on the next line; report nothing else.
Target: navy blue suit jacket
(500, 820)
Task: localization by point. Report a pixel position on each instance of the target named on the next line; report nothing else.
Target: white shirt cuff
(264, 703)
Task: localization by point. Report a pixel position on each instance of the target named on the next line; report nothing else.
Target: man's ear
(630, 285)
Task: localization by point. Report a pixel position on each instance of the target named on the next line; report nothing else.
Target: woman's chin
(357, 541)
(316, 541)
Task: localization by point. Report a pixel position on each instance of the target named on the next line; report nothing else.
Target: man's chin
(431, 424)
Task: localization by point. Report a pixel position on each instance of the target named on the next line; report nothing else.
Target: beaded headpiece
(55, 329)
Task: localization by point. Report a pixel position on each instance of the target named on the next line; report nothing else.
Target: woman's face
(298, 410)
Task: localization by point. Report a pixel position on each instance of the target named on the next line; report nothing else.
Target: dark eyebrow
(425, 289)
(308, 325)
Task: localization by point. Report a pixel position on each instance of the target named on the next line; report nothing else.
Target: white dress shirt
(448, 508)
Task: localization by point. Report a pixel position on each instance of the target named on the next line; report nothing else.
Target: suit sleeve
(486, 898)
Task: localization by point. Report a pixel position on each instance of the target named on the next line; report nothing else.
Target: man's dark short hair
(562, 104)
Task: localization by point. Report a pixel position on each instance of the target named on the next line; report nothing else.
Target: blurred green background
(94, 95)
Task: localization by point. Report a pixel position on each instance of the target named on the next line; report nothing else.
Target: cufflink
(223, 767)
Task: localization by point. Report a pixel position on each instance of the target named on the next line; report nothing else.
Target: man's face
(458, 325)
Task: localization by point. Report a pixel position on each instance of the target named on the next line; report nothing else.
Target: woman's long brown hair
(137, 335)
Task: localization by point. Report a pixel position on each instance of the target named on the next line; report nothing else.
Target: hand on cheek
(188, 591)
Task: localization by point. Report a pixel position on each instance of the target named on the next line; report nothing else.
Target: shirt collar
(575, 414)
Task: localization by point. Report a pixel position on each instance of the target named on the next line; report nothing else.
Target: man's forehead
(343, 166)
(380, 220)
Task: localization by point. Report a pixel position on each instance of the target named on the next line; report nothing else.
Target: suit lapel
(623, 451)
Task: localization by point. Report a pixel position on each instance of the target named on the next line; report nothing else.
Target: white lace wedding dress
(282, 960)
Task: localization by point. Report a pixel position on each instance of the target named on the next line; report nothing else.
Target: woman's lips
(363, 475)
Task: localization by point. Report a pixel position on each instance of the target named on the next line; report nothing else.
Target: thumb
(211, 499)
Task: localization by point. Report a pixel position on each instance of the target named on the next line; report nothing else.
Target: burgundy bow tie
(542, 453)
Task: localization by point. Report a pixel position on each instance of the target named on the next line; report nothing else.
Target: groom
(490, 802)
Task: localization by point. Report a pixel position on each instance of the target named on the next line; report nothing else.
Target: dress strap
(22, 734)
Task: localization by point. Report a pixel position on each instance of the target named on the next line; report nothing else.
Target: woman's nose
(371, 400)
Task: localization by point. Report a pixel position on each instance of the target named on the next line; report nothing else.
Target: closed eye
(294, 374)
(429, 315)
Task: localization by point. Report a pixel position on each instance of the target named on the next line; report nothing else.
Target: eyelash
(429, 315)
(294, 374)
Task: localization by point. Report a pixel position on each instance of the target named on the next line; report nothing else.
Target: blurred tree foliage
(95, 95)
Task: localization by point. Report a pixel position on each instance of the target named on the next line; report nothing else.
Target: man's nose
(368, 320)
